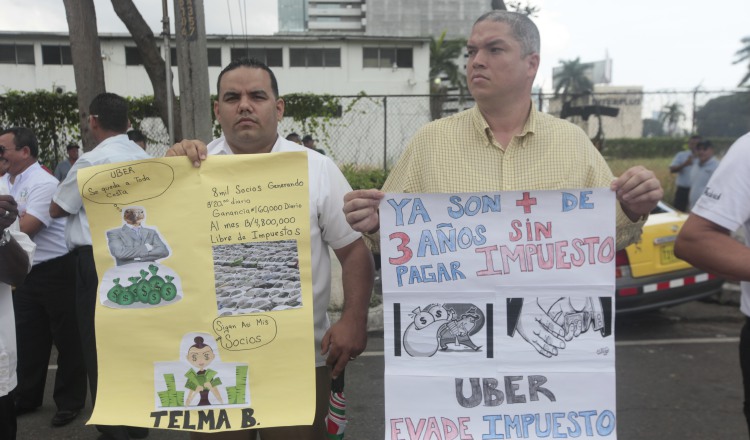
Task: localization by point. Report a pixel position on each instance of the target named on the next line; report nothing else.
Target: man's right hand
(194, 149)
(361, 209)
(8, 211)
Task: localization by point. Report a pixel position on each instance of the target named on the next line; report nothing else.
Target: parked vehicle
(650, 276)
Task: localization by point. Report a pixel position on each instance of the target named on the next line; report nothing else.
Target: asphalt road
(677, 378)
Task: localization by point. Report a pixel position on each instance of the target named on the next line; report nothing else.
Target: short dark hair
(253, 64)
(524, 30)
(307, 138)
(702, 145)
(23, 137)
(111, 111)
(137, 136)
(72, 145)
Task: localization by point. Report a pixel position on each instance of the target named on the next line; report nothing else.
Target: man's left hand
(638, 191)
(343, 342)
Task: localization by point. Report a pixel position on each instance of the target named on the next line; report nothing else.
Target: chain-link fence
(372, 131)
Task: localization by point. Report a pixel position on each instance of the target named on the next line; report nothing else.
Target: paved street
(677, 378)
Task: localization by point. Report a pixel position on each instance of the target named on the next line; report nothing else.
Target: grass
(659, 165)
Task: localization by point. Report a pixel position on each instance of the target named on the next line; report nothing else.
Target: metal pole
(168, 63)
(385, 134)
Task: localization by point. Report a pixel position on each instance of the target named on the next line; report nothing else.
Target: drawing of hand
(539, 330)
(572, 314)
(207, 385)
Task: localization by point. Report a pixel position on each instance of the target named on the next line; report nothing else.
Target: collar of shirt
(25, 175)
(220, 146)
(481, 125)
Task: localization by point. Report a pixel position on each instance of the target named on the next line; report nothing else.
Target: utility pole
(192, 60)
(168, 63)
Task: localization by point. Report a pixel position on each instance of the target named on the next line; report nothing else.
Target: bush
(364, 177)
(655, 147)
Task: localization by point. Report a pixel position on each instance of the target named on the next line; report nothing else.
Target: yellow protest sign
(204, 311)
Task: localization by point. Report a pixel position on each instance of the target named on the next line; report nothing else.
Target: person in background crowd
(16, 254)
(62, 168)
(309, 142)
(705, 239)
(108, 119)
(702, 170)
(294, 137)
(45, 303)
(138, 137)
(682, 165)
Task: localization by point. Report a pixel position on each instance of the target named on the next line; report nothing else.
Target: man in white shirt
(108, 120)
(705, 239)
(249, 110)
(45, 303)
(16, 254)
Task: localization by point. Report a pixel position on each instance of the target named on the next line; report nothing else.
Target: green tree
(443, 69)
(725, 116)
(744, 55)
(572, 81)
(671, 115)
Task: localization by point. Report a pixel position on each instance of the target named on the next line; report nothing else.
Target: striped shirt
(460, 154)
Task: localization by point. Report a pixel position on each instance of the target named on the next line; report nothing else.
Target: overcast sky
(658, 44)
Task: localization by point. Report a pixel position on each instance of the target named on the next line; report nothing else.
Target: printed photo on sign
(257, 277)
(200, 378)
(546, 332)
(436, 331)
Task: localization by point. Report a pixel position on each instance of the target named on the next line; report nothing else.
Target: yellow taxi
(649, 276)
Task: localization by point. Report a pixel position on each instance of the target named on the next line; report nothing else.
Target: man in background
(682, 165)
(16, 254)
(45, 303)
(309, 142)
(62, 168)
(701, 171)
(138, 137)
(108, 120)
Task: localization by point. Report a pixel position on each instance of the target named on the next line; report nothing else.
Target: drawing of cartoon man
(203, 381)
(459, 330)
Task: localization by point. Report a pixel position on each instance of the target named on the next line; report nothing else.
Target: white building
(343, 65)
(303, 63)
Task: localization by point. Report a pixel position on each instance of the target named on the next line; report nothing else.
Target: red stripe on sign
(663, 285)
(628, 291)
(689, 280)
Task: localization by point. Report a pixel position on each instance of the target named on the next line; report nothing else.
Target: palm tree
(744, 55)
(671, 115)
(572, 80)
(443, 68)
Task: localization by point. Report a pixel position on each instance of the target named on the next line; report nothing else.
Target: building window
(271, 57)
(16, 54)
(387, 57)
(214, 57)
(315, 57)
(56, 54)
(213, 54)
(133, 57)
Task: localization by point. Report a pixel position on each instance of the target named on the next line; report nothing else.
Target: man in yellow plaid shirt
(504, 143)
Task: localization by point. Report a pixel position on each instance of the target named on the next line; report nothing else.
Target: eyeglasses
(4, 149)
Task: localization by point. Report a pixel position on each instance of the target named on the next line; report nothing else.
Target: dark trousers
(681, 198)
(8, 426)
(87, 282)
(745, 366)
(45, 314)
